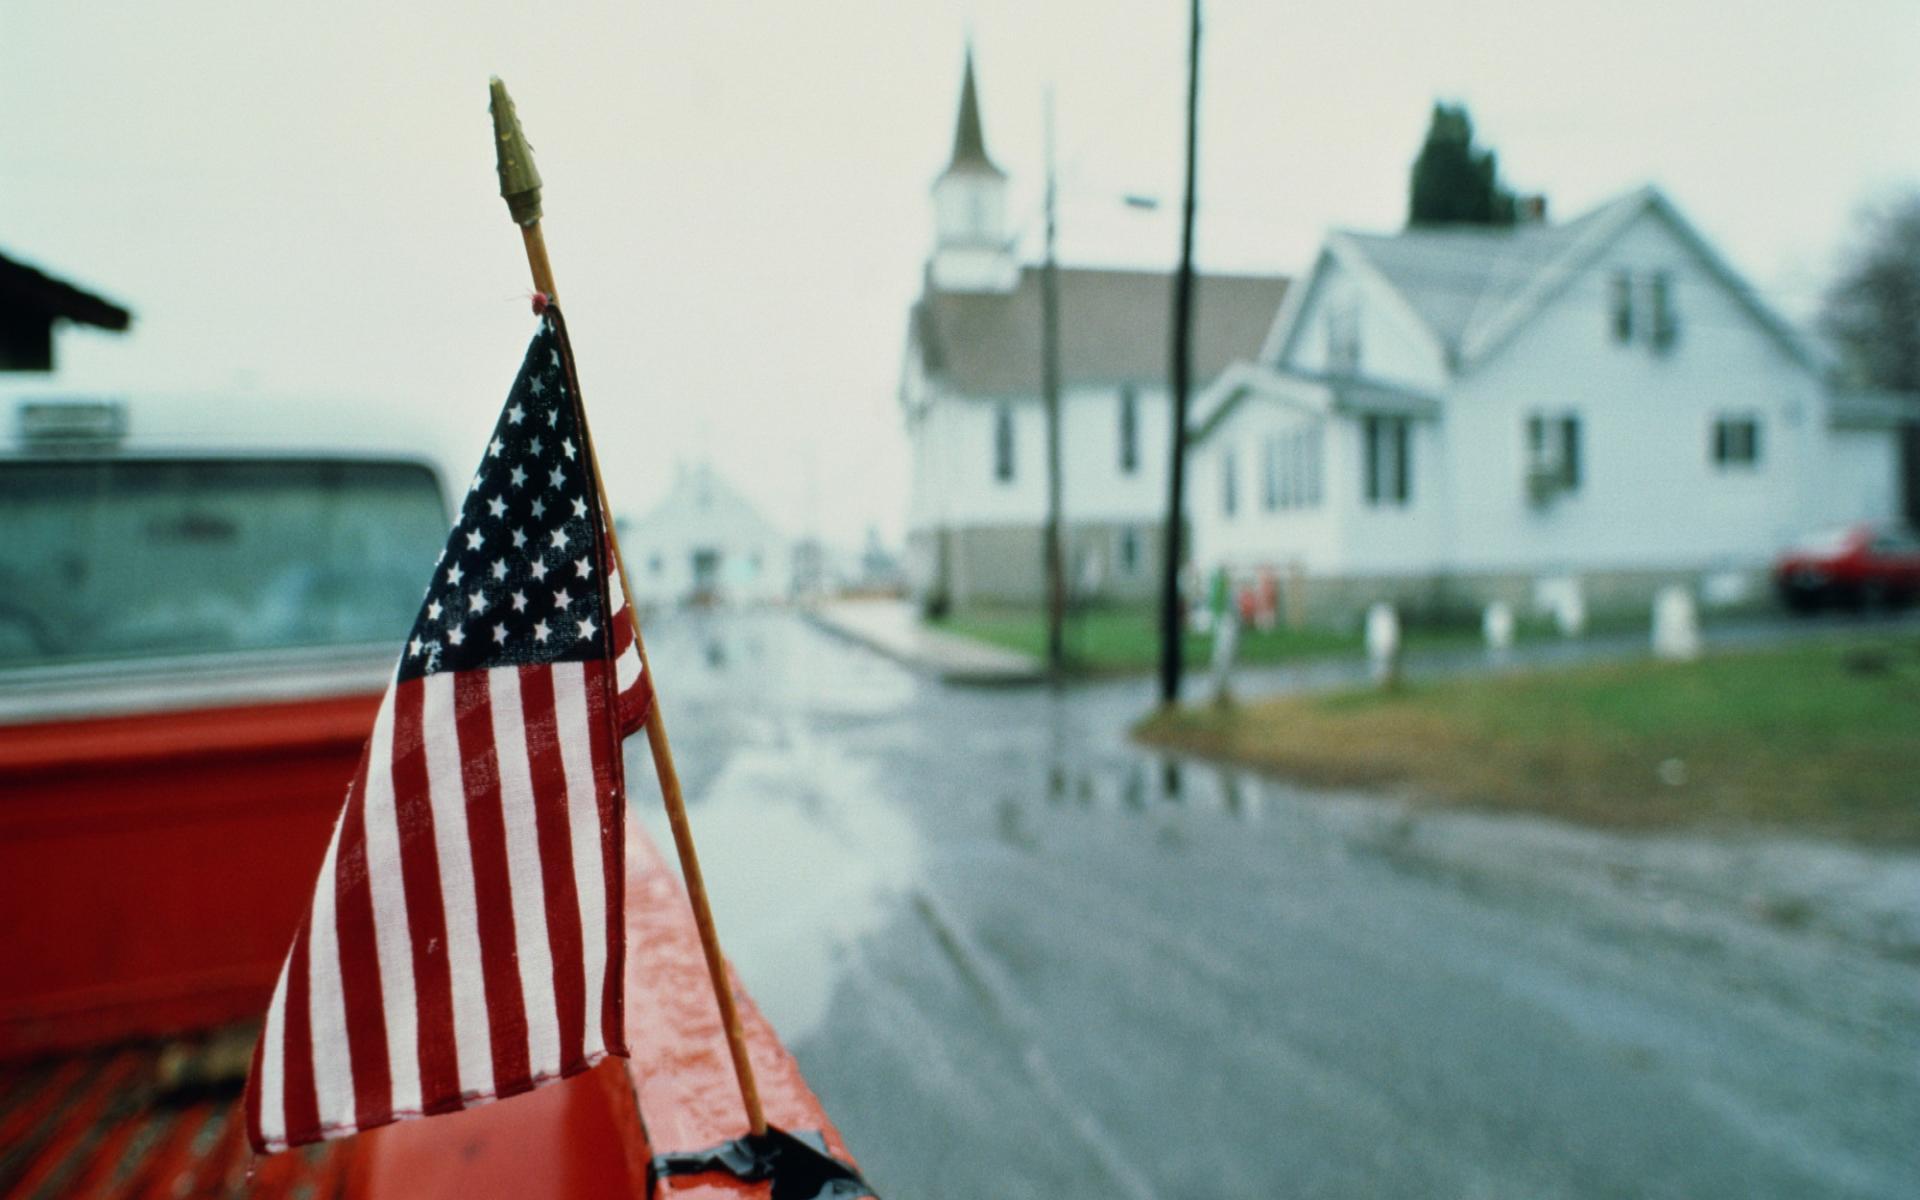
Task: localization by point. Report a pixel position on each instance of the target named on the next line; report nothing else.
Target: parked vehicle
(1859, 566)
(193, 644)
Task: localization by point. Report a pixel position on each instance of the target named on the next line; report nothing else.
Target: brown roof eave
(25, 287)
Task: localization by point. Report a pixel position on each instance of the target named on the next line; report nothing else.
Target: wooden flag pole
(520, 187)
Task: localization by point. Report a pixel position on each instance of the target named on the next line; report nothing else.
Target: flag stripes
(629, 675)
(467, 947)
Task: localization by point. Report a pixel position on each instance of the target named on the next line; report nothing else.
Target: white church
(971, 395)
(1441, 417)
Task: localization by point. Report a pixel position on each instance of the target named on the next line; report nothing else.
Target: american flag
(466, 937)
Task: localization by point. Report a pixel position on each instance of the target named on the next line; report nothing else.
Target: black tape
(797, 1163)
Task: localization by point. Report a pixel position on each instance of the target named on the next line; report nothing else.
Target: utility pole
(1050, 388)
(1181, 368)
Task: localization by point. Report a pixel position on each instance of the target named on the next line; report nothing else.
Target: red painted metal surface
(152, 865)
(593, 1136)
(118, 1122)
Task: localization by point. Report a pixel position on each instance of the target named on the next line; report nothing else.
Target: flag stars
(497, 507)
(553, 414)
(477, 602)
(433, 610)
(519, 539)
(579, 507)
(456, 636)
(519, 476)
(537, 385)
(567, 445)
(413, 648)
(494, 448)
(559, 539)
(539, 570)
(539, 508)
(540, 631)
(561, 600)
(534, 448)
(587, 627)
(500, 635)
(516, 414)
(474, 539)
(454, 576)
(519, 602)
(558, 476)
(583, 568)
(499, 568)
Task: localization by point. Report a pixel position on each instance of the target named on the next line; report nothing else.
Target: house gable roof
(1472, 289)
(1115, 328)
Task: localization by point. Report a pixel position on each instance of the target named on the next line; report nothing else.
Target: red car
(1854, 567)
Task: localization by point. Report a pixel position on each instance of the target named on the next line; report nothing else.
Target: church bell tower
(972, 250)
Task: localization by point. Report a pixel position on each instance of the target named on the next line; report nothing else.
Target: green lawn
(1822, 736)
(1109, 640)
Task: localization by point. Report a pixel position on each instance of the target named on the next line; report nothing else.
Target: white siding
(953, 460)
(1650, 494)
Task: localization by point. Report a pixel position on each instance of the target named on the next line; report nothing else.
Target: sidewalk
(894, 628)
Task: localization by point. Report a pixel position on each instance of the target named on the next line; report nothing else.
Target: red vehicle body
(161, 823)
(1855, 567)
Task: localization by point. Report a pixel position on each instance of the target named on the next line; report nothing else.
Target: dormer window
(1620, 295)
(1643, 305)
(1343, 339)
(1664, 326)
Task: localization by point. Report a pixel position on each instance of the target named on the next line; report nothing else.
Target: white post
(1676, 625)
(1383, 644)
(1497, 627)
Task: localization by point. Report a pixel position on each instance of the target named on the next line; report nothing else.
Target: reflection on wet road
(1018, 957)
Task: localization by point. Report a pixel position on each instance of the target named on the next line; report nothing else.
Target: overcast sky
(737, 192)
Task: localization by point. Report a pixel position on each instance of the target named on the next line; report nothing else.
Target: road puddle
(803, 855)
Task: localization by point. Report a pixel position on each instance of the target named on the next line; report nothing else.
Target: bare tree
(1873, 309)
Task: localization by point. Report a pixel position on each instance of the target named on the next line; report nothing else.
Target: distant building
(972, 398)
(706, 544)
(32, 303)
(1445, 416)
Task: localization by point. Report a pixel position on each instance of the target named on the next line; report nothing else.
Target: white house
(705, 544)
(971, 395)
(1444, 416)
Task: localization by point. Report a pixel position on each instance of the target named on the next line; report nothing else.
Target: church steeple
(969, 143)
(971, 249)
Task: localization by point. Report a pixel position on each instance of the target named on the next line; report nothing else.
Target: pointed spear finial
(519, 178)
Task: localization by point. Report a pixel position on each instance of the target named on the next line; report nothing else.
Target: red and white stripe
(464, 941)
(629, 673)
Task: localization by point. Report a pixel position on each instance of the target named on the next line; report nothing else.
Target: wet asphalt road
(1018, 957)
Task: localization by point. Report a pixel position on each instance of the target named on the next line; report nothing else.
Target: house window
(1387, 470)
(1311, 441)
(1663, 326)
(1620, 296)
(1736, 441)
(1291, 470)
(1553, 454)
(1343, 339)
(1003, 443)
(1229, 484)
(1129, 431)
(1129, 554)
